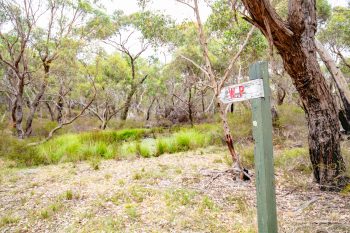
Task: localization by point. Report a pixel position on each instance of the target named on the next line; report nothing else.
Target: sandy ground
(171, 193)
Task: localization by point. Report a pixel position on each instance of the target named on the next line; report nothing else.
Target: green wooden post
(263, 155)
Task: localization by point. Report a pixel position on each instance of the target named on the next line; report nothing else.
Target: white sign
(244, 91)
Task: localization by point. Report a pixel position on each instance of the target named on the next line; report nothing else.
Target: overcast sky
(176, 10)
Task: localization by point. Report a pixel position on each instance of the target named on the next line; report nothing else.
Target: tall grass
(119, 144)
(96, 145)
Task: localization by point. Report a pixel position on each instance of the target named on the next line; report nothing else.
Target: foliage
(337, 29)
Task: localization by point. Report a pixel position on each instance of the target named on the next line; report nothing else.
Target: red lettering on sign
(231, 93)
(241, 91)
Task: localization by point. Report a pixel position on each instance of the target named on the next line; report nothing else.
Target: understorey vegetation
(139, 115)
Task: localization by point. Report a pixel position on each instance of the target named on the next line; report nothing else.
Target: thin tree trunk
(340, 83)
(19, 109)
(202, 100)
(228, 136)
(59, 105)
(33, 108)
(281, 94)
(103, 125)
(52, 115)
(148, 115)
(13, 112)
(34, 105)
(189, 103)
(125, 112)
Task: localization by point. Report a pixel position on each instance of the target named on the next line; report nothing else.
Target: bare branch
(229, 69)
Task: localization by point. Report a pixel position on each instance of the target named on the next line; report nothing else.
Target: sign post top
(241, 92)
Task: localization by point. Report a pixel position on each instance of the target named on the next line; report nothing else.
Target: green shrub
(17, 150)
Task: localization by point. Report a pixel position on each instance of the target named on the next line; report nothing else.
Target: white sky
(176, 10)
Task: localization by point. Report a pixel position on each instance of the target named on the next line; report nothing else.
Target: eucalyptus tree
(148, 29)
(336, 33)
(48, 43)
(111, 75)
(16, 25)
(215, 80)
(294, 40)
(30, 47)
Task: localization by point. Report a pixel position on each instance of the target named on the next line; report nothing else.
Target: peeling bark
(295, 42)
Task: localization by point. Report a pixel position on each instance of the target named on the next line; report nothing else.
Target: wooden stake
(263, 155)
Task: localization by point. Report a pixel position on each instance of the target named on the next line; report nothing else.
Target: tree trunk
(33, 108)
(19, 108)
(202, 100)
(125, 112)
(148, 115)
(35, 103)
(13, 112)
(189, 103)
(295, 43)
(103, 125)
(229, 142)
(341, 85)
(52, 115)
(59, 106)
(281, 94)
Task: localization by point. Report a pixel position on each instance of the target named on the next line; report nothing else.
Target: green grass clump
(109, 136)
(294, 159)
(207, 203)
(179, 197)
(161, 147)
(69, 195)
(7, 220)
(183, 141)
(131, 211)
(145, 149)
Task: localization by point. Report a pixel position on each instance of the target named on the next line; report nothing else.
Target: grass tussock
(95, 146)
